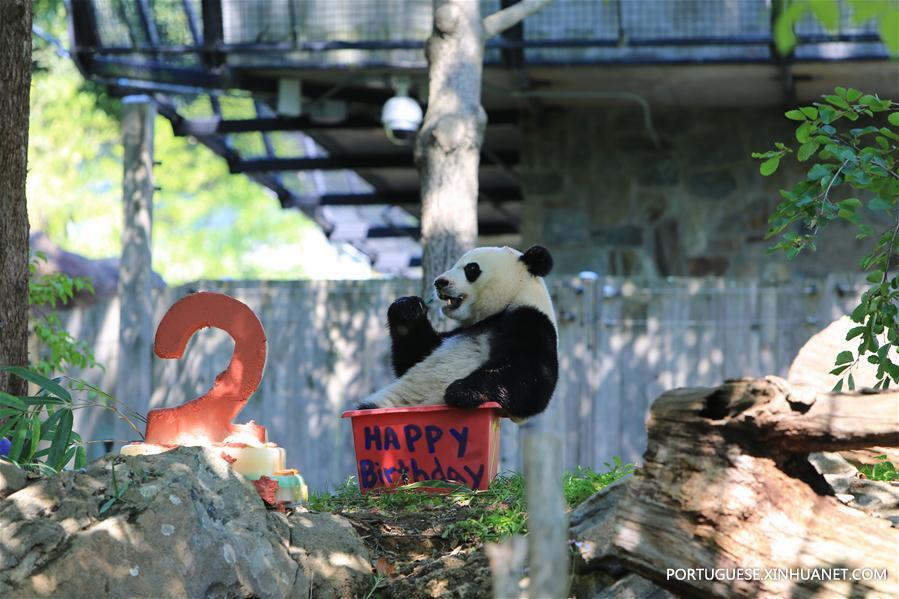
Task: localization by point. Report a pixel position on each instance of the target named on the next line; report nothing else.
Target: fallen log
(727, 504)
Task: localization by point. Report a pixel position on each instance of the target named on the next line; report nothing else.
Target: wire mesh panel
(393, 32)
(650, 31)
(815, 35)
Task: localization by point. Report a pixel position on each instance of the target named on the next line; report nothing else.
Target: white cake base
(251, 462)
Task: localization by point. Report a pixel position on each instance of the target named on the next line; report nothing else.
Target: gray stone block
(712, 185)
(618, 236)
(662, 172)
(566, 227)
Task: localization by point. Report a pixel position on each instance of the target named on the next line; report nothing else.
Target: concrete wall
(603, 198)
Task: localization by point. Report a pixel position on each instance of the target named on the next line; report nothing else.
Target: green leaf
(887, 132)
(803, 134)
(818, 172)
(41, 381)
(828, 12)
(810, 112)
(889, 29)
(8, 425)
(877, 204)
(875, 277)
(70, 453)
(848, 215)
(769, 166)
(844, 357)
(18, 440)
(838, 102)
(839, 369)
(807, 150)
(894, 119)
(826, 114)
(35, 435)
(12, 401)
(80, 457)
(854, 332)
(838, 387)
(51, 423)
(851, 383)
(60, 441)
(795, 115)
(107, 504)
(851, 203)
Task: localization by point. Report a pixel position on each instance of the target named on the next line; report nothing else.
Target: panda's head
(486, 281)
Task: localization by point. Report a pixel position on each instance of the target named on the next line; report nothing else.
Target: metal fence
(621, 345)
(392, 32)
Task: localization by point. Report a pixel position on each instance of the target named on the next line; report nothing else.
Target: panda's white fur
(504, 283)
(425, 383)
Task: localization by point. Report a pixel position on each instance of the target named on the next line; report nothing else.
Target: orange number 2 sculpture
(208, 418)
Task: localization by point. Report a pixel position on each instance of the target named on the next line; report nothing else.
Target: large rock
(183, 524)
(815, 360)
(12, 478)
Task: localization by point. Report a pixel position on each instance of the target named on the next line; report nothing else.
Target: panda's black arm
(411, 335)
(521, 372)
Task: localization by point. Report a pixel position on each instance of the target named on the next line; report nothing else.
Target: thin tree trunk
(448, 146)
(447, 149)
(15, 86)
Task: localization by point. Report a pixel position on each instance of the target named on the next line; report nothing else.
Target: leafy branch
(851, 141)
(59, 350)
(40, 426)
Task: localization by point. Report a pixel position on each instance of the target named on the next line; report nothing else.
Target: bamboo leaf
(60, 440)
(39, 380)
(18, 440)
(12, 401)
(35, 435)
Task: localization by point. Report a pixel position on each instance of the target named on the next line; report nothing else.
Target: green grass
(482, 516)
(883, 470)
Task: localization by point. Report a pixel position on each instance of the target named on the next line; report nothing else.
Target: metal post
(134, 369)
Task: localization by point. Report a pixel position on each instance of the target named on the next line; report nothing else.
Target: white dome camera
(401, 115)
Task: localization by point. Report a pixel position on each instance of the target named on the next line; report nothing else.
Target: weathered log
(726, 485)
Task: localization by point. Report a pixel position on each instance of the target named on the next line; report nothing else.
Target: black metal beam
(341, 162)
(409, 196)
(213, 126)
(513, 54)
(83, 32)
(213, 33)
(486, 228)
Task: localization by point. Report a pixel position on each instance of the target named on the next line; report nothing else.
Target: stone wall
(603, 198)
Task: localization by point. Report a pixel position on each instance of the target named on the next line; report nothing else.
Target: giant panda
(505, 349)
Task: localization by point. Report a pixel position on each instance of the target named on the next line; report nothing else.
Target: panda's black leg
(411, 334)
(470, 392)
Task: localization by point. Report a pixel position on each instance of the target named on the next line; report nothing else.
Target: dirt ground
(415, 560)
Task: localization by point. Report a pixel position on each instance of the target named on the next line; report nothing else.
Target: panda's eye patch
(472, 271)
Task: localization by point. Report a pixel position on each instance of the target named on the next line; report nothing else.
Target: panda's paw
(367, 405)
(462, 395)
(406, 311)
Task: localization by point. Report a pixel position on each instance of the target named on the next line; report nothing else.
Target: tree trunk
(15, 73)
(726, 484)
(448, 146)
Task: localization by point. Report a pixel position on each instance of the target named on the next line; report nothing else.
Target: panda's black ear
(538, 260)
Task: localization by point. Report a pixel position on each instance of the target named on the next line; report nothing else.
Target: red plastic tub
(398, 446)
